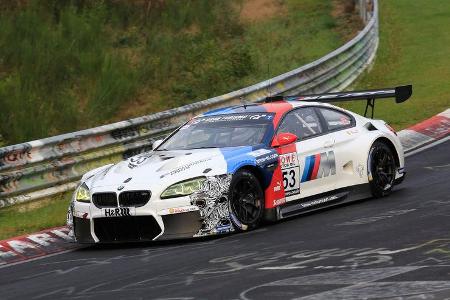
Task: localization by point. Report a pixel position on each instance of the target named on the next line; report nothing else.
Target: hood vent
(166, 157)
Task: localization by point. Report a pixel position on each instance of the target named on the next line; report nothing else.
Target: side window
(335, 120)
(303, 122)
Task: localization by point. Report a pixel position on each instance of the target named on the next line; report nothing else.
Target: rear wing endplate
(400, 93)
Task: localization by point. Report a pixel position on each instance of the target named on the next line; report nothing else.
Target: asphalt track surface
(391, 248)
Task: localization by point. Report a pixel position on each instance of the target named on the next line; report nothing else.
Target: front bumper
(136, 228)
(204, 212)
(143, 227)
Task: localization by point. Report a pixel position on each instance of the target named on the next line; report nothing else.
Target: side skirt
(324, 200)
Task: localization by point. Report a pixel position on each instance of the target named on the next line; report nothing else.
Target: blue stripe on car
(309, 162)
(236, 157)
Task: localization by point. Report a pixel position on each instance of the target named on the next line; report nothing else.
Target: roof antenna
(243, 101)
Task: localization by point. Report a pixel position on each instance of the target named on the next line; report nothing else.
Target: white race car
(232, 168)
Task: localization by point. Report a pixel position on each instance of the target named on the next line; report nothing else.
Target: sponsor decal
(232, 117)
(360, 170)
(185, 167)
(136, 161)
(178, 210)
(290, 168)
(267, 158)
(118, 212)
(352, 131)
(80, 214)
(223, 228)
(277, 202)
(260, 152)
(319, 201)
(319, 166)
(277, 188)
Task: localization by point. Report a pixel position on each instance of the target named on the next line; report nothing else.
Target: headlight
(82, 193)
(183, 188)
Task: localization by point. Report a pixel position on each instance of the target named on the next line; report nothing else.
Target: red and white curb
(35, 245)
(426, 134)
(56, 240)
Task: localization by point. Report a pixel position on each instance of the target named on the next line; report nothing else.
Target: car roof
(277, 107)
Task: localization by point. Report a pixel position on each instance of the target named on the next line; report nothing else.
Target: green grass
(279, 45)
(71, 65)
(35, 216)
(414, 48)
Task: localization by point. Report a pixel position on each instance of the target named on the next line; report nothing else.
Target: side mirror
(156, 144)
(284, 138)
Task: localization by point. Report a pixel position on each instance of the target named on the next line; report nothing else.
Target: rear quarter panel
(353, 147)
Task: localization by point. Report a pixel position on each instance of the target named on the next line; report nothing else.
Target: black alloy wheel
(382, 167)
(246, 199)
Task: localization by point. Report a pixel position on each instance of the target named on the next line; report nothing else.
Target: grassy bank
(35, 216)
(414, 48)
(70, 65)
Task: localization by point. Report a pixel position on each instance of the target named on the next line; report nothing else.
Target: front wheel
(382, 168)
(246, 200)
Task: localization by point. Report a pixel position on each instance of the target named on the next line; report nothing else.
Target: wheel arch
(391, 146)
(259, 174)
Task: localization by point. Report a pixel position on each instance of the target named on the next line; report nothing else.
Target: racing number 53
(291, 173)
(289, 180)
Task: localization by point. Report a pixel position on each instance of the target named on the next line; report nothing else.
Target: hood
(163, 168)
(155, 166)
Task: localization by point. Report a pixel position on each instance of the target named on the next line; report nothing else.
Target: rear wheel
(246, 200)
(382, 168)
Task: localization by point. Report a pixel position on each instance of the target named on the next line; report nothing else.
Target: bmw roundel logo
(120, 187)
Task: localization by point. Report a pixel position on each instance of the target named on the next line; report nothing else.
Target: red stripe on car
(316, 166)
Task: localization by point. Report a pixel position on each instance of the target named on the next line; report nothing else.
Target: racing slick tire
(382, 168)
(246, 200)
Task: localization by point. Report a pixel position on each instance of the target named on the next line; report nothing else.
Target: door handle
(328, 144)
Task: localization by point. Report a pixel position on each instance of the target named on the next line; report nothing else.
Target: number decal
(291, 173)
(285, 180)
(292, 179)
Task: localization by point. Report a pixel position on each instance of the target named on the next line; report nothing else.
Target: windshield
(220, 131)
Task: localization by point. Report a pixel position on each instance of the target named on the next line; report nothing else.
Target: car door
(342, 127)
(308, 167)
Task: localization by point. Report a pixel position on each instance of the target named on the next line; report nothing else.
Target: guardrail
(52, 165)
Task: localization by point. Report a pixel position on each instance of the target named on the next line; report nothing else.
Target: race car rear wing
(400, 93)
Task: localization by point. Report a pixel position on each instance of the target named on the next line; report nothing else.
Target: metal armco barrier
(52, 165)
